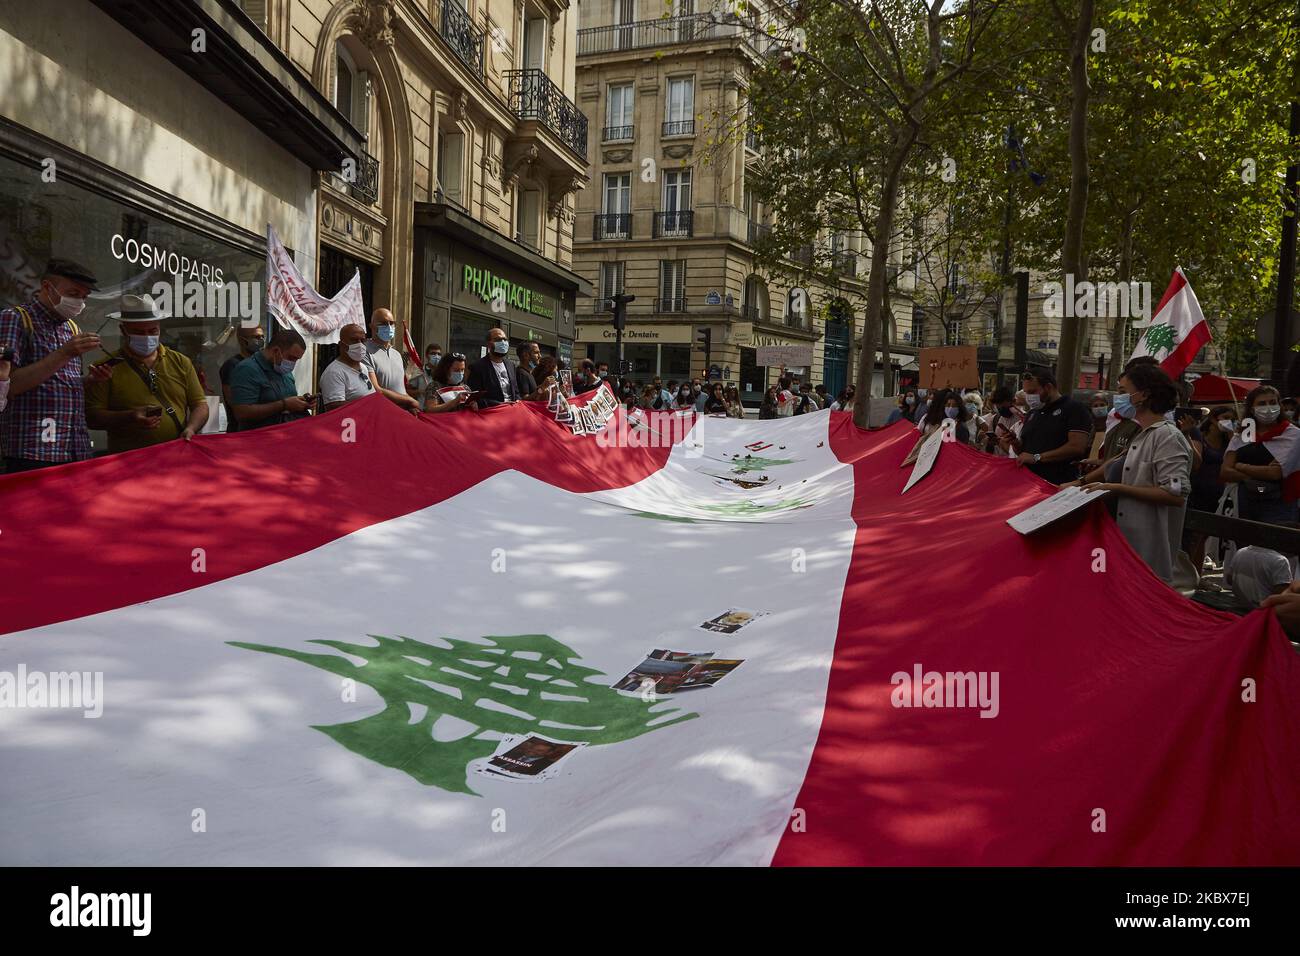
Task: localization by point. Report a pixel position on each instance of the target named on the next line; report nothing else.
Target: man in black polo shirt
(1055, 435)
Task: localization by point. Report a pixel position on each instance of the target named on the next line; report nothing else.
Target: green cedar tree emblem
(529, 683)
(1160, 338)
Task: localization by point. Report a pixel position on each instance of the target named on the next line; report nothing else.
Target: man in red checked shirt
(45, 421)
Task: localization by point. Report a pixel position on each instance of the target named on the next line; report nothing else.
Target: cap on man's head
(68, 269)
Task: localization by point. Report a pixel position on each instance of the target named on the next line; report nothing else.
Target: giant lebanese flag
(371, 638)
(1177, 331)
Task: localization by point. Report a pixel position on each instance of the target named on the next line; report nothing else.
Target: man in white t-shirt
(382, 356)
(1254, 573)
(348, 377)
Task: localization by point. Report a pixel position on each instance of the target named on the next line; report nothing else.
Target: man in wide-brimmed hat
(153, 394)
(45, 421)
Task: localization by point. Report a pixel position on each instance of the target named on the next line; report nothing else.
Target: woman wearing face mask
(1117, 437)
(1002, 424)
(945, 405)
(768, 408)
(1156, 474)
(684, 399)
(974, 402)
(716, 403)
(735, 409)
(905, 409)
(450, 389)
(1266, 490)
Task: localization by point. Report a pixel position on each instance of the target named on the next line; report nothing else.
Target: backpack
(29, 331)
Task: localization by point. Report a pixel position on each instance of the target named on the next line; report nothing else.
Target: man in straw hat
(45, 423)
(152, 394)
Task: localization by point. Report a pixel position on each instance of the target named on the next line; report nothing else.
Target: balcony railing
(534, 96)
(676, 304)
(645, 34)
(680, 128)
(749, 313)
(465, 39)
(363, 184)
(611, 133)
(613, 225)
(751, 141)
(803, 254)
(844, 263)
(758, 231)
(674, 223)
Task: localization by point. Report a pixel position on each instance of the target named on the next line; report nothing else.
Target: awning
(1216, 388)
(460, 225)
(246, 71)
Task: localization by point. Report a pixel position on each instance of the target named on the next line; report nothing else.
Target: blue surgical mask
(143, 344)
(501, 346)
(952, 412)
(386, 333)
(1124, 405)
(455, 377)
(285, 367)
(973, 408)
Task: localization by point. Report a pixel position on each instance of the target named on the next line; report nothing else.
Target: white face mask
(357, 351)
(69, 307)
(1227, 426)
(1267, 413)
(1033, 400)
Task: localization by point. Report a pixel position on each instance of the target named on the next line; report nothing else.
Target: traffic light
(704, 337)
(620, 302)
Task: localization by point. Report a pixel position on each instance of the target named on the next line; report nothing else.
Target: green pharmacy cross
(526, 684)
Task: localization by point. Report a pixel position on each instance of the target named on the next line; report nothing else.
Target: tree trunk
(1120, 326)
(886, 343)
(1072, 257)
(872, 335)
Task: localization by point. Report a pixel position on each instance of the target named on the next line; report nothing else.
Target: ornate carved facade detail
(617, 155)
(558, 189)
(460, 108)
(677, 152)
(372, 22)
(518, 162)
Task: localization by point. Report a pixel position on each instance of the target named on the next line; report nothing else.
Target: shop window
(133, 250)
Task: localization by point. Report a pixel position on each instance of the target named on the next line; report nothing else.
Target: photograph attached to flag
(1177, 331)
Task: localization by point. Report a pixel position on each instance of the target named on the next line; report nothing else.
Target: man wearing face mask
(262, 387)
(152, 394)
(45, 421)
(381, 356)
(251, 341)
(1054, 437)
(348, 378)
(421, 385)
(494, 373)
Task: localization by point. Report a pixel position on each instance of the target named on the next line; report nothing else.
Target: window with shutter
(672, 285)
(451, 149)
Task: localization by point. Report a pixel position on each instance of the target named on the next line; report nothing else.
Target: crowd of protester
(1156, 454)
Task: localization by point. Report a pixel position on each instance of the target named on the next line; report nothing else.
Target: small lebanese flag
(1178, 331)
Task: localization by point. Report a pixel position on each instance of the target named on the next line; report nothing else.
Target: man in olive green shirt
(153, 394)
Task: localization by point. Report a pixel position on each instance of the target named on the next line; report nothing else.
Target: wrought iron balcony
(675, 304)
(758, 231)
(751, 141)
(459, 32)
(615, 225)
(534, 96)
(750, 313)
(674, 223)
(682, 128)
(611, 133)
(664, 31)
(844, 263)
(364, 185)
